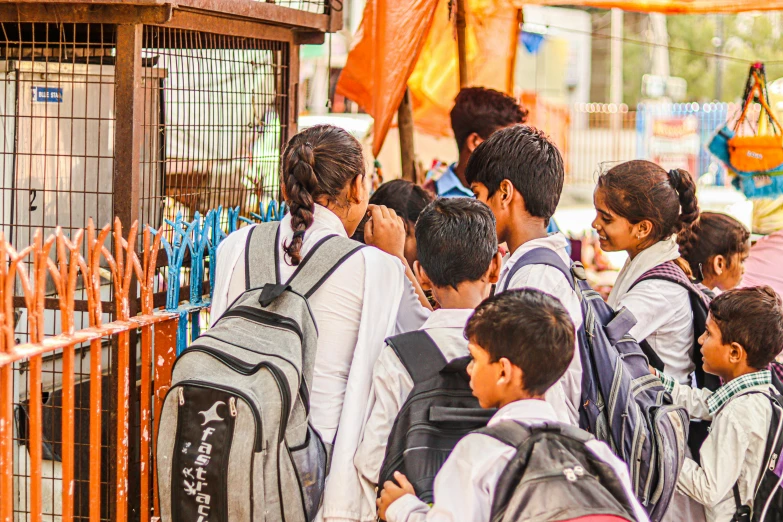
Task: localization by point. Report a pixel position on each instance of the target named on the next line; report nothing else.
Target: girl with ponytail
(365, 300)
(641, 208)
(716, 249)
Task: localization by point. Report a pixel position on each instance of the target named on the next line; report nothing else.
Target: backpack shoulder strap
(669, 271)
(539, 256)
(261, 263)
(510, 433)
(418, 353)
(321, 261)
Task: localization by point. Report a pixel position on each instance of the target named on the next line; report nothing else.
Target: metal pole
(461, 53)
(405, 126)
(129, 117)
(616, 76)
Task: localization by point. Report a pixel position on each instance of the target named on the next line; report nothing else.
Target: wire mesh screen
(224, 114)
(57, 124)
(214, 117)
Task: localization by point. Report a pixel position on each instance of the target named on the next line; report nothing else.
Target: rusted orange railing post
(158, 334)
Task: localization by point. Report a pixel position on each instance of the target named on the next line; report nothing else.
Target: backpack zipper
(771, 468)
(247, 369)
(263, 317)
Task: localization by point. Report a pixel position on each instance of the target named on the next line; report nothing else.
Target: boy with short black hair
(744, 335)
(521, 343)
(518, 172)
(458, 261)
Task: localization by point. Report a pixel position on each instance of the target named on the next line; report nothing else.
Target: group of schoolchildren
(517, 322)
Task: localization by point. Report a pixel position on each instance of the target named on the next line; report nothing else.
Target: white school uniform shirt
(465, 485)
(391, 386)
(662, 309)
(370, 285)
(734, 450)
(566, 395)
(665, 319)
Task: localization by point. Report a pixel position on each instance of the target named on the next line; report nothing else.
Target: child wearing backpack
(640, 208)
(521, 343)
(364, 300)
(458, 261)
(518, 172)
(744, 334)
(716, 248)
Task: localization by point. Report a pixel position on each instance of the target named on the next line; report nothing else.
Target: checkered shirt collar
(733, 388)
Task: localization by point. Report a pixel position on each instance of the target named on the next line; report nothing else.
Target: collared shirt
(336, 306)
(566, 395)
(733, 452)
(390, 389)
(449, 185)
(465, 485)
(665, 320)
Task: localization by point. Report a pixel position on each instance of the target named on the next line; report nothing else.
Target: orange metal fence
(73, 265)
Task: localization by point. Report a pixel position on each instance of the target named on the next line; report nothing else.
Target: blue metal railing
(200, 237)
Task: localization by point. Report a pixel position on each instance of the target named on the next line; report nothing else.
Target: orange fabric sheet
(386, 49)
(670, 6)
(491, 35)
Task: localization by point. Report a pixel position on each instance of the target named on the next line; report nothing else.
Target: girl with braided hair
(365, 300)
(641, 208)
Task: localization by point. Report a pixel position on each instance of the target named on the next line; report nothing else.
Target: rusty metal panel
(321, 15)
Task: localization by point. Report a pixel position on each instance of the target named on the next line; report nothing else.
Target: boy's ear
(493, 274)
(473, 141)
(718, 265)
(737, 353)
(422, 276)
(506, 192)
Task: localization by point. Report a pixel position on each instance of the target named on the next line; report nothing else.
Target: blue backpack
(622, 403)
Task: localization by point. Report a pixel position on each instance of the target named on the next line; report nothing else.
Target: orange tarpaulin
(394, 34)
(491, 35)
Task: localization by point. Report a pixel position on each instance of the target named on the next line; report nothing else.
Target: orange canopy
(413, 43)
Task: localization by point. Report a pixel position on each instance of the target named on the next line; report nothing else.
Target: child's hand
(392, 492)
(652, 370)
(385, 230)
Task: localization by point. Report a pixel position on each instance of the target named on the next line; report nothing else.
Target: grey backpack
(553, 476)
(234, 439)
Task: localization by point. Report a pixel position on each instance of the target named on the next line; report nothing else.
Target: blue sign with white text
(48, 94)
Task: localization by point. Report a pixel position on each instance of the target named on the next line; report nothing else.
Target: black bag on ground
(439, 411)
(554, 476)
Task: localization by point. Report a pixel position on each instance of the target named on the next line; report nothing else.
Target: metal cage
(142, 110)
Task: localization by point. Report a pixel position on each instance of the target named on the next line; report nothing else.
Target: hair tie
(299, 234)
(675, 178)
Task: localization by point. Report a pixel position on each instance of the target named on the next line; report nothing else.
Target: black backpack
(439, 411)
(768, 498)
(554, 476)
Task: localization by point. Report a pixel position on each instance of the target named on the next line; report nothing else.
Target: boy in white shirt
(519, 173)
(744, 335)
(521, 343)
(458, 261)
